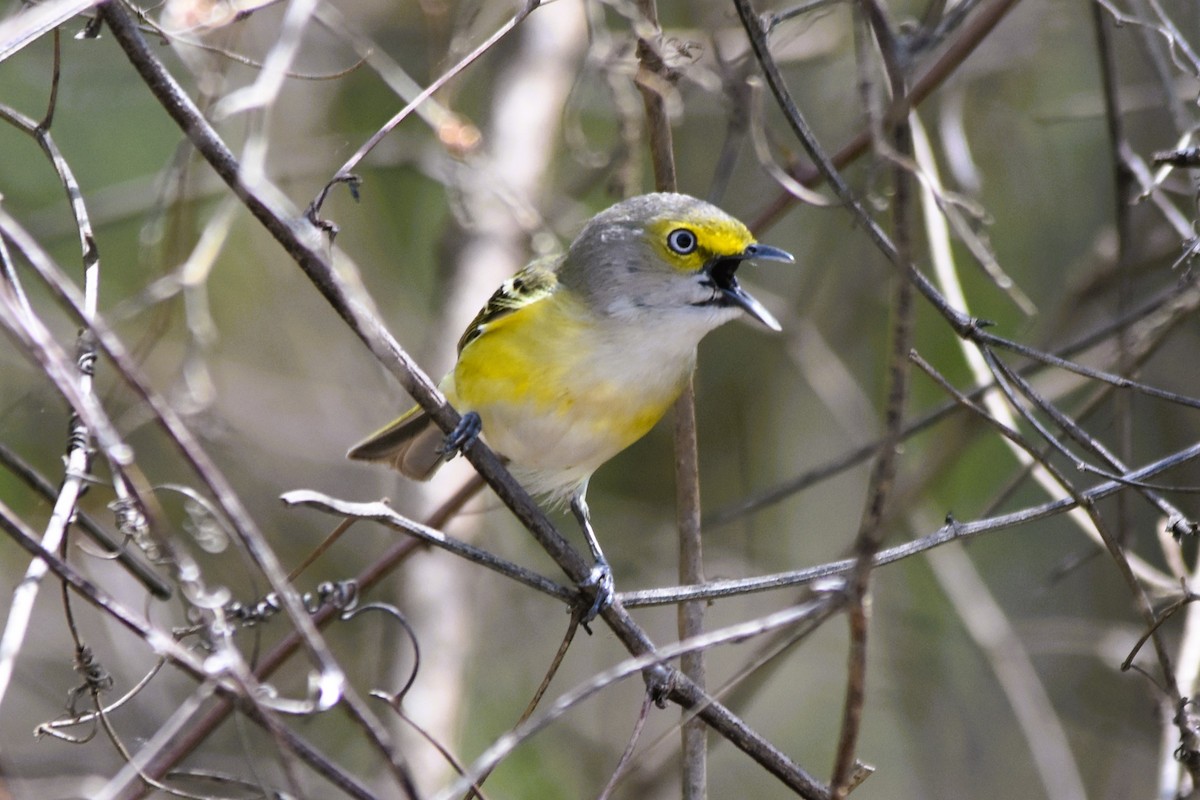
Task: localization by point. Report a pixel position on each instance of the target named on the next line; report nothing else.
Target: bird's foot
(599, 580)
(464, 433)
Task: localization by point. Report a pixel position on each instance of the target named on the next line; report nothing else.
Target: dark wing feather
(529, 285)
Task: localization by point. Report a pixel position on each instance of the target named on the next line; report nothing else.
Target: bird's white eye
(682, 241)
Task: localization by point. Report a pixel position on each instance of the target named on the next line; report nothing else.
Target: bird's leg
(659, 679)
(466, 431)
(601, 574)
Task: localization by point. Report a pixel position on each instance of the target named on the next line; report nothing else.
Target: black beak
(721, 277)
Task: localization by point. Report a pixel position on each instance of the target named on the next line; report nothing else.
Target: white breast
(632, 374)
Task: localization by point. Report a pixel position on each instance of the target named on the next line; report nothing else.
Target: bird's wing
(536, 281)
(410, 444)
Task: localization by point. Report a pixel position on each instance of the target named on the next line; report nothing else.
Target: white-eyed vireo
(576, 357)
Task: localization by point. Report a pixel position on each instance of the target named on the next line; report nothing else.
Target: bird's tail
(411, 444)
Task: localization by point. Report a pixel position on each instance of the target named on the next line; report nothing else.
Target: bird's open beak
(721, 275)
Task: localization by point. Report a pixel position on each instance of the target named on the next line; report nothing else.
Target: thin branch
(953, 530)
(276, 67)
(881, 483)
(1123, 186)
(632, 666)
(1111, 543)
(143, 573)
(1027, 696)
(653, 79)
(79, 442)
(36, 20)
(982, 23)
(627, 756)
(344, 173)
(386, 515)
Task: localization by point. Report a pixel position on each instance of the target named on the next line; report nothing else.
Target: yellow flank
(514, 361)
(715, 237)
(559, 405)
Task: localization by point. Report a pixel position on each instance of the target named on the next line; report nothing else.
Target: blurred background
(994, 668)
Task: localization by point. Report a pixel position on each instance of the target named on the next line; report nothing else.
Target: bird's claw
(600, 579)
(464, 433)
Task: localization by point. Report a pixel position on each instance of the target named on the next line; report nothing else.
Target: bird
(576, 357)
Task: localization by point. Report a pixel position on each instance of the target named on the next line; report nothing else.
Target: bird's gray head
(664, 253)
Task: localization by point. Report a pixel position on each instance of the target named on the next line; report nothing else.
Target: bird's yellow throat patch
(715, 238)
